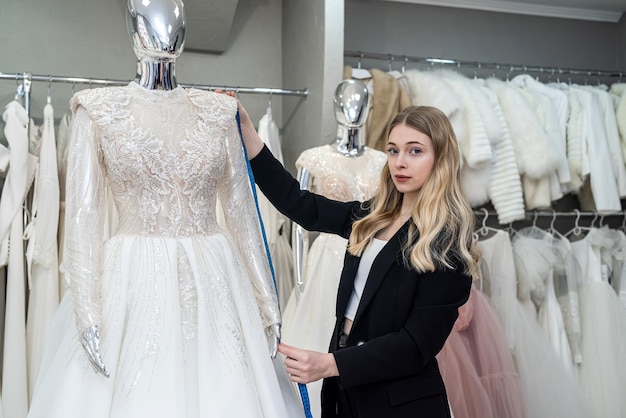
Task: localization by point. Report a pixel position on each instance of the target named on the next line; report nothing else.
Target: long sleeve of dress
(235, 195)
(84, 220)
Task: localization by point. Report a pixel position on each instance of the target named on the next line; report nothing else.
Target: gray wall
(622, 42)
(89, 39)
(419, 30)
(312, 56)
(292, 44)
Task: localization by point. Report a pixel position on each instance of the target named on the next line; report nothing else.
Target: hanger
(485, 230)
(19, 92)
(578, 230)
(360, 73)
(268, 112)
(49, 97)
(397, 74)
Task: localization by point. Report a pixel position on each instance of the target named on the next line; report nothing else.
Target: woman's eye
(392, 151)
(416, 151)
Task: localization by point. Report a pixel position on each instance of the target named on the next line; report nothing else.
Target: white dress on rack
(550, 390)
(602, 373)
(276, 224)
(182, 304)
(42, 253)
(19, 178)
(309, 318)
(540, 259)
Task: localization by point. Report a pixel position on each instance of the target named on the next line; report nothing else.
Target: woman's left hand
(306, 366)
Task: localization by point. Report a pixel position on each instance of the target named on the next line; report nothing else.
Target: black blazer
(404, 317)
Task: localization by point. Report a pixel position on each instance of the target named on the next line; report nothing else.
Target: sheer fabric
(602, 373)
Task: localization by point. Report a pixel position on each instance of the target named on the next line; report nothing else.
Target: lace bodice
(164, 159)
(343, 178)
(167, 158)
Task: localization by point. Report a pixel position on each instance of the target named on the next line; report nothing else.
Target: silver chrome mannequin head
(351, 104)
(157, 33)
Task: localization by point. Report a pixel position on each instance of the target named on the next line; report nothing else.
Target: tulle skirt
(551, 390)
(181, 335)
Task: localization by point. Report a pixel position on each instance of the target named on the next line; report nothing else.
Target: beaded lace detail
(166, 157)
(343, 178)
(163, 177)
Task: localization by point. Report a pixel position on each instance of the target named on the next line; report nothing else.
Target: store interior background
(300, 44)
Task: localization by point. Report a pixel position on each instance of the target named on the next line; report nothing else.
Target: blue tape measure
(304, 393)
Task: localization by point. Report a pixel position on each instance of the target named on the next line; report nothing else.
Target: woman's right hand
(253, 142)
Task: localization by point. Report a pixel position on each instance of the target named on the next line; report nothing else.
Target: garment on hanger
(597, 167)
(505, 186)
(550, 390)
(41, 253)
(466, 394)
(63, 134)
(276, 224)
(309, 318)
(536, 248)
(182, 304)
(567, 275)
(18, 181)
(486, 343)
(489, 359)
(602, 373)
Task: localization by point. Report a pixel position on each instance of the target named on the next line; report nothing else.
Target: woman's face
(411, 158)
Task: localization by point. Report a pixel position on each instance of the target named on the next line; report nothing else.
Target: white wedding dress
(550, 390)
(181, 303)
(602, 373)
(309, 317)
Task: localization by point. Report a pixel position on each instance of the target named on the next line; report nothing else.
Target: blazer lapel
(389, 254)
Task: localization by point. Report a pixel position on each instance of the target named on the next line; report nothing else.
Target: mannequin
(156, 44)
(345, 170)
(351, 104)
(156, 49)
(176, 313)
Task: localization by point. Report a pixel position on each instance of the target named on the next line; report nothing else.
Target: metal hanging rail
(552, 213)
(552, 71)
(108, 82)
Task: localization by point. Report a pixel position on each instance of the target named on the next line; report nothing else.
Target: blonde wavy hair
(441, 234)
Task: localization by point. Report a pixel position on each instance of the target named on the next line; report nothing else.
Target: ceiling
(598, 10)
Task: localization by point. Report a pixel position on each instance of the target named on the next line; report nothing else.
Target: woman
(408, 268)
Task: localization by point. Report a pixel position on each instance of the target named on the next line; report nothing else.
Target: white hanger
(484, 230)
(49, 98)
(397, 74)
(577, 230)
(268, 112)
(360, 73)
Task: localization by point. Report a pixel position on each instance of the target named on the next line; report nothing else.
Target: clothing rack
(552, 213)
(28, 77)
(549, 71)
(617, 219)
